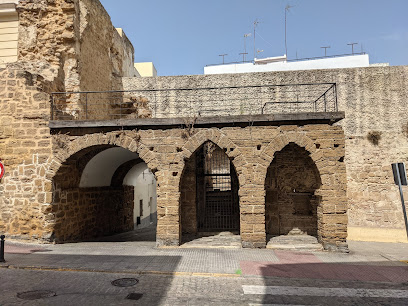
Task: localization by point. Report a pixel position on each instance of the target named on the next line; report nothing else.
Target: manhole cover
(125, 282)
(134, 296)
(36, 295)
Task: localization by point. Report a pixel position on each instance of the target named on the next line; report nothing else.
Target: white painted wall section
(145, 190)
(100, 169)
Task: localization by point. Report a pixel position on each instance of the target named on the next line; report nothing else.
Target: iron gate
(217, 191)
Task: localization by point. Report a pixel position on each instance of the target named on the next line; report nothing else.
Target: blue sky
(182, 36)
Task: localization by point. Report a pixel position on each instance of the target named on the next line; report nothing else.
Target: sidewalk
(367, 261)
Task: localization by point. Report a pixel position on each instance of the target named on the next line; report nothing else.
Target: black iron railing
(194, 102)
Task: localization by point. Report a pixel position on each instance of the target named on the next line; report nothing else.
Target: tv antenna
(325, 50)
(243, 56)
(245, 51)
(256, 22)
(352, 47)
(223, 55)
(287, 8)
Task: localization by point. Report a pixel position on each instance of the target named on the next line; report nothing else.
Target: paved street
(81, 273)
(85, 288)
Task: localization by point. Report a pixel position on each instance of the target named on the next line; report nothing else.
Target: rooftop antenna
(243, 56)
(352, 47)
(325, 50)
(256, 22)
(287, 8)
(245, 37)
(223, 55)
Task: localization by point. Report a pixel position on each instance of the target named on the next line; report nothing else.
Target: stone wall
(40, 163)
(374, 100)
(52, 55)
(75, 47)
(25, 150)
(251, 150)
(85, 213)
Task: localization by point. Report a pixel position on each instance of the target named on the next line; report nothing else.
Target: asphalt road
(95, 288)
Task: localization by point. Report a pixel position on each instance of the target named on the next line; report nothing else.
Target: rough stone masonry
(72, 45)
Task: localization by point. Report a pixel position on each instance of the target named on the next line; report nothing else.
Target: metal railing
(194, 102)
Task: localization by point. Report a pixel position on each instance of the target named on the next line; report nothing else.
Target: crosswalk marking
(325, 292)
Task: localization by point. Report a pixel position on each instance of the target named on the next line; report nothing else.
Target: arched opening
(291, 202)
(209, 194)
(100, 191)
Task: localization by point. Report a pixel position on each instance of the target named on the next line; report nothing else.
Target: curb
(141, 272)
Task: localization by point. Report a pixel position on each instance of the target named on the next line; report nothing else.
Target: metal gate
(217, 191)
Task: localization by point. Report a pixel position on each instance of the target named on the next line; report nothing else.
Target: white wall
(351, 61)
(145, 189)
(100, 169)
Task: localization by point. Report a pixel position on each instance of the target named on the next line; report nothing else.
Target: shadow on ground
(151, 293)
(147, 234)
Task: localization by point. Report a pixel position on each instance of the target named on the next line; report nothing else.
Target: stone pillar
(332, 211)
(168, 209)
(252, 207)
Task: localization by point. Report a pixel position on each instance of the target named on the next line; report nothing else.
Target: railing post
(52, 107)
(86, 106)
(155, 105)
(336, 107)
(2, 248)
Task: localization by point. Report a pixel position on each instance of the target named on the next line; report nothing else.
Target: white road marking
(276, 305)
(326, 292)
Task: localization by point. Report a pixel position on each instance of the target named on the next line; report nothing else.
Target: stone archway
(80, 209)
(209, 192)
(85, 203)
(331, 194)
(291, 202)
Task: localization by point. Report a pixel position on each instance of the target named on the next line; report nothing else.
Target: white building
(281, 63)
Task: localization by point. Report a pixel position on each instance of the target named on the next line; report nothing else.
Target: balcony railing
(194, 102)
